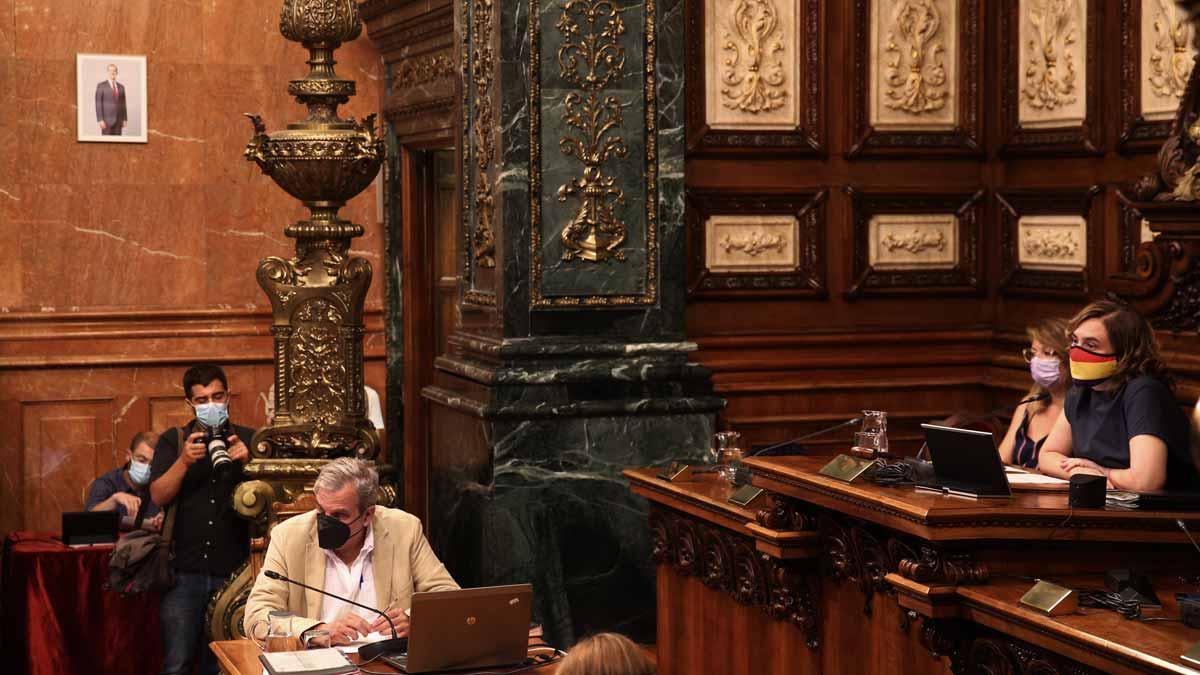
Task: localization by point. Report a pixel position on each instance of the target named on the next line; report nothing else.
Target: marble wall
(129, 261)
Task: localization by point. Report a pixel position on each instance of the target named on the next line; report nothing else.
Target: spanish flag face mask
(1089, 368)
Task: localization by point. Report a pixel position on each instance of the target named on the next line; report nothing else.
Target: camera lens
(218, 452)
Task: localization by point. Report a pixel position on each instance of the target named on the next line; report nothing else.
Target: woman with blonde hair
(1031, 422)
(606, 654)
(1120, 420)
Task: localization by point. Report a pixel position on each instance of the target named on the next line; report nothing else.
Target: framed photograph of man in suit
(111, 98)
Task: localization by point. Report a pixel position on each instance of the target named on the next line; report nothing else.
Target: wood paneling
(791, 365)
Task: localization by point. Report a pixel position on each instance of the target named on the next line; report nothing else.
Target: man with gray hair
(351, 547)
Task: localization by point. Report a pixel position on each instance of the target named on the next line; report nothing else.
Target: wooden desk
(240, 657)
(825, 576)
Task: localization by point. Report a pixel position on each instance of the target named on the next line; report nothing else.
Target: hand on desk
(398, 617)
(347, 628)
(1081, 465)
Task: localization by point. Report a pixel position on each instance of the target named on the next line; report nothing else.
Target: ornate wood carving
(1164, 284)
(1050, 87)
(424, 69)
(786, 514)
(933, 566)
(728, 562)
(962, 277)
(971, 648)
(1019, 280)
(1139, 134)
(806, 138)
(965, 138)
(806, 278)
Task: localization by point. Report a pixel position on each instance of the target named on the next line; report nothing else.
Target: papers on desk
(1037, 481)
(311, 662)
(352, 648)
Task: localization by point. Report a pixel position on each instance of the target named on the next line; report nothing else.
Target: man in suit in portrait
(111, 114)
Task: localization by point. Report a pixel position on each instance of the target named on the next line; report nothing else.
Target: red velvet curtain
(58, 619)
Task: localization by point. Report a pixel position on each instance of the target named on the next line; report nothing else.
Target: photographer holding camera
(210, 540)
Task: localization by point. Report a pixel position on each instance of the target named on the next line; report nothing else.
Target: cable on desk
(1102, 599)
(1070, 515)
(892, 474)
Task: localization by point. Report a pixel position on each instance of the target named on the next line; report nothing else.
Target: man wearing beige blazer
(351, 547)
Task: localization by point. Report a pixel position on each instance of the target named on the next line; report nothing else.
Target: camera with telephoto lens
(216, 445)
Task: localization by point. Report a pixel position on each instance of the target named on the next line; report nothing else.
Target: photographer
(210, 539)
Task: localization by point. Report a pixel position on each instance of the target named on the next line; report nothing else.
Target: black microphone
(367, 652)
(805, 437)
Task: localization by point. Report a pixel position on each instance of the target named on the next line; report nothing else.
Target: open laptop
(965, 463)
(467, 629)
(85, 528)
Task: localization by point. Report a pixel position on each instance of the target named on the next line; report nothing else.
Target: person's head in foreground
(606, 654)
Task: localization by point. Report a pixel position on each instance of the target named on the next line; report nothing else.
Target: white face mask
(139, 472)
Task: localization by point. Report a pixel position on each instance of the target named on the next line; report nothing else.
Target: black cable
(892, 474)
(1102, 599)
(1070, 515)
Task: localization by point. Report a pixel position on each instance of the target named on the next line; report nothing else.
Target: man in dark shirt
(210, 539)
(126, 489)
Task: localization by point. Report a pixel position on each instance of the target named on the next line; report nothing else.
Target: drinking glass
(279, 633)
(874, 423)
(316, 638)
(728, 450)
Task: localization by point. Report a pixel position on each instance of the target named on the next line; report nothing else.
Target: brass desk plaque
(744, 495)
(1051, 599)
(676, 471)
(846, 468)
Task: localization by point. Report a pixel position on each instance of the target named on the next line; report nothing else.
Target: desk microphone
(367, 652)
(820, 432)
(1002, 409)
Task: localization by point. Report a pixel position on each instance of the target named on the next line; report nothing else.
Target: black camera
(216, 445)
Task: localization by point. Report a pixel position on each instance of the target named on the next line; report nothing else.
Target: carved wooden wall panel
(911, 243)
(920, 341)
(918, 76)
(1157, 54)
(1048, 240)
(755, 81)
(1050, 75)
(745, 244)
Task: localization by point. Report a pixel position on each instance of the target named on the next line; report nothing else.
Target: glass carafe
(728, 450)
(279, 633)
(872, 441)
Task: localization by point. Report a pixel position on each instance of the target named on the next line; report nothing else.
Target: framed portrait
(110, 93)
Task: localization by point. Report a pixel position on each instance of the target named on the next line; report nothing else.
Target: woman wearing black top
(1120, 418)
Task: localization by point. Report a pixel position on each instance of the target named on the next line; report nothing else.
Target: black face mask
(332, 533)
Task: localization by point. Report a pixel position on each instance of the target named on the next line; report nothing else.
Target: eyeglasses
(1028, 353)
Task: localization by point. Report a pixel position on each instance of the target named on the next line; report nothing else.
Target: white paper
(1009, 468)
(313, 659)
(352, 648)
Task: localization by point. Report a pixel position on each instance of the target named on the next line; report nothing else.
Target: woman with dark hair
(1032, 422)
(1120, 420)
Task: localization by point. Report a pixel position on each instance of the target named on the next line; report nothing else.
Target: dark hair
(1132, 338)
(147, 437)
(201, 374)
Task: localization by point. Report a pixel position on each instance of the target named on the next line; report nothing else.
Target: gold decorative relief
(483, 63)
(1054, 36)
(1167, 55)
(1052, 242)
(913, 241)
(591, 58)
(916, 76)
(752, 64)
(914, 59)
(758, 243)
(752, 70)
(423, 70)
(318, 368)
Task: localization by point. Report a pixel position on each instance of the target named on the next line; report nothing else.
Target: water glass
(317, 638)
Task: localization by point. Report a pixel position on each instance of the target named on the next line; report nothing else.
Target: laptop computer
(467, 629)
(85, 528)
(966, 463)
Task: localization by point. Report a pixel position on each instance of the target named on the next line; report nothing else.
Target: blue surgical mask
(212, 415)
(139, 473)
